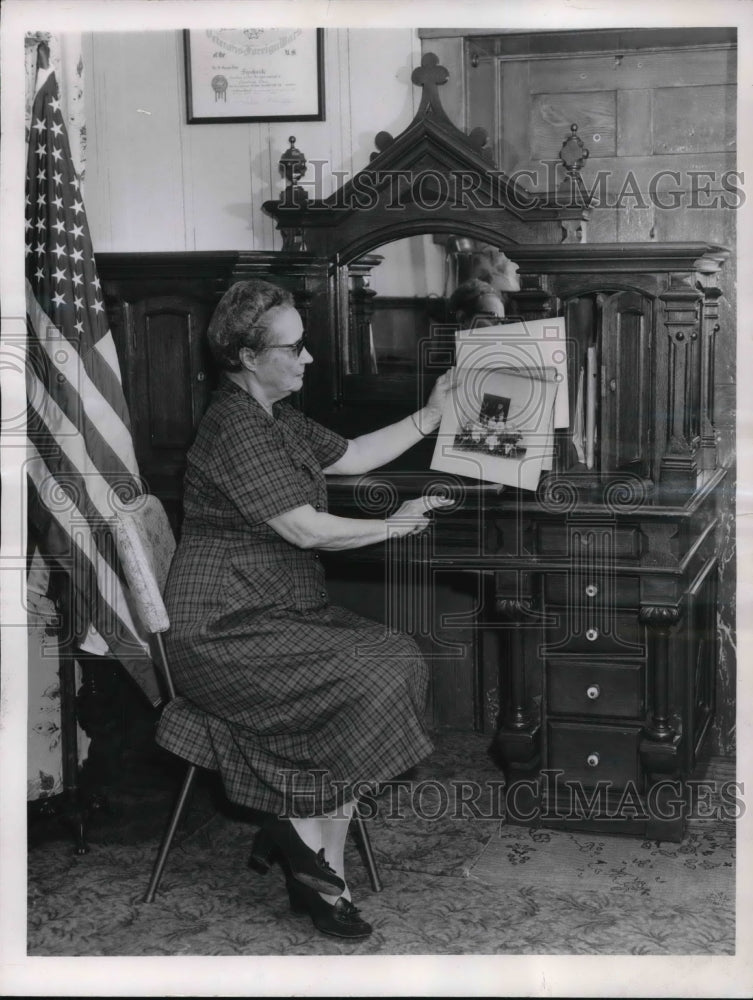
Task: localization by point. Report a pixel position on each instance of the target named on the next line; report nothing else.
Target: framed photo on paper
(254, 75)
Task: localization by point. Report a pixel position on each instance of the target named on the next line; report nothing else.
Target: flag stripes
(102, 426)
(81, 460)
(88, 560)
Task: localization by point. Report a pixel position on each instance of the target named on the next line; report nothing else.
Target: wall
(44, 749)
(154, 182)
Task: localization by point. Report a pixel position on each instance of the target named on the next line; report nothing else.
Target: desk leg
(516, 744)
(661, 746)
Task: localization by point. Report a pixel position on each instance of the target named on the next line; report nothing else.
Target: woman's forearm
(311, 529)
(332, 534)
(370, 451)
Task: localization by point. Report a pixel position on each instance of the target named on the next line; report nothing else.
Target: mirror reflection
(407, 298)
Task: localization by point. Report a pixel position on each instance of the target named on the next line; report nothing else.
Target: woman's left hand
(431, 415)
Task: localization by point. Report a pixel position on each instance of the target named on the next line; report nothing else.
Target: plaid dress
(300, 700)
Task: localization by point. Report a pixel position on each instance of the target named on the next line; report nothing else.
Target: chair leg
(371, 865)
(167, 839)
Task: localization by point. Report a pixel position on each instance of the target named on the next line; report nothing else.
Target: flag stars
(56, 154)
(39, 248)
(58, 178)
(97, 306)
(41, 149)
(28, 224)
(57, 201)
(76, 256)
(40, 124)
(77, 232)
(59, 250)
(95, 282)
(39, 273)
(78, 208)
(79, 327)
(55, 103)
(57, 128)
(41, 224)
(59, 299)
(42, 175)
(76, 278)
(29, 249)
(41, 200)
(59, 275)
(59, 226)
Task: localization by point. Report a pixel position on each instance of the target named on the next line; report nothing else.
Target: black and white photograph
(489, 432)
(374, 574)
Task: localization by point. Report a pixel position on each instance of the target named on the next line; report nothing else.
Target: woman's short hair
(240, 320)
(464, 300)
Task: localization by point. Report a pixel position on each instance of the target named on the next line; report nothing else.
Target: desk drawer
(592, 590)
(590, 753)
(577, 629)
(594, 687)
(583, 541)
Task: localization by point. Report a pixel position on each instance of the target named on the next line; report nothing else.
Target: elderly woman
(305, 700)
(475, 303)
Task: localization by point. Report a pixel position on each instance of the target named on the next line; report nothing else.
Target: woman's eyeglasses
(297, 348)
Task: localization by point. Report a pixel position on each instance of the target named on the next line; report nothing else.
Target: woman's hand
(410, 517)
(430, 416)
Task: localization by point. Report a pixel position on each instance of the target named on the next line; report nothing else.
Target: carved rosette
(514, 609)
(661, 617)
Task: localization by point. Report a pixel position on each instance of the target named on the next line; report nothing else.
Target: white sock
(310, 832)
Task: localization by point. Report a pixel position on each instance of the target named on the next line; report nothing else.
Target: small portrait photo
(489, 432)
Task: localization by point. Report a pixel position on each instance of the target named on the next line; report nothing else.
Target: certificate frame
(290, 62)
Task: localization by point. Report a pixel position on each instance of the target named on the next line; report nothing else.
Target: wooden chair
(146, 546)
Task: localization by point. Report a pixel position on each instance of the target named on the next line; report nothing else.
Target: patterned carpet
(457, 881)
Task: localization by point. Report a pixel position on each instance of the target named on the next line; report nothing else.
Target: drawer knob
(592, 634)
(592, 760)
(592, 590)
(593, 692)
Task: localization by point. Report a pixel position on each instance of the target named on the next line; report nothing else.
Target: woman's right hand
(410, 517)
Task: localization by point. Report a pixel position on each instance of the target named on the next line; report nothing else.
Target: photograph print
(490, 433)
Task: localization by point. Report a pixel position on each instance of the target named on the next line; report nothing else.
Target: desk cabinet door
(169, 384)
(626, 396)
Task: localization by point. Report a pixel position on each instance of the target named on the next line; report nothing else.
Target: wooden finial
(430, 75)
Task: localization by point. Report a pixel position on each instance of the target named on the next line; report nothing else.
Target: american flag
(81, 461)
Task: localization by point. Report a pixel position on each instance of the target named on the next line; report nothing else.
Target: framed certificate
(254, 75)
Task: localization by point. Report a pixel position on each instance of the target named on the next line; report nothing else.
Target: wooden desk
(605, 609)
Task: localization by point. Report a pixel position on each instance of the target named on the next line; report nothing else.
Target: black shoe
(340, 919)
(306, 866)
